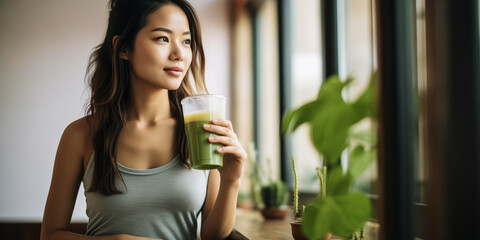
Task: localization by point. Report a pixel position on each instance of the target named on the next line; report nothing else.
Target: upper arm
(212, 192)
(66, 178)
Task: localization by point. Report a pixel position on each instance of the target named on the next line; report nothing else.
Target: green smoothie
(203, 154)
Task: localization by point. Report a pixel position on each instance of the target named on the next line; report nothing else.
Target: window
(267, 120)
(306, 78)
(356, 60)
(434, 133)
(421, 66)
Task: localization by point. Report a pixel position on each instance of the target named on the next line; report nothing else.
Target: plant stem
(322, 176)
(295, 189)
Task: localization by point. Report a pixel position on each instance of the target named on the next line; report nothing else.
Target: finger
(238, 152)
(223, 122)
(220, 130)
(226, 141)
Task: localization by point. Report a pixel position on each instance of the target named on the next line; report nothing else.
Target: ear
(123, 52)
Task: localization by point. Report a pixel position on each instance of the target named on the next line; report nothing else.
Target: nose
(177, 53)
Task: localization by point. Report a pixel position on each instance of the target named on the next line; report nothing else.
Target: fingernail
(211, 138)
(215, 120)
(206, 126)
(220, 149)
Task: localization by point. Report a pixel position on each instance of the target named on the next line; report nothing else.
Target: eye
(187, 42)
(162, 39)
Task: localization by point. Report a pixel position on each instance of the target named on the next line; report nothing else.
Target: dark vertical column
(397, 123)
(454, 81)
(329, 37)
(436, 121)
(285, 62)
(463, 156)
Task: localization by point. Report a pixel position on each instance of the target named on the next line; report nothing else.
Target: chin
(173, 86)
(168, 84)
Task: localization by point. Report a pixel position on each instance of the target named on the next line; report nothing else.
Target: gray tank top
(163, 202)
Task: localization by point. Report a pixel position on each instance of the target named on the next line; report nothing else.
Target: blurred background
(266, 57)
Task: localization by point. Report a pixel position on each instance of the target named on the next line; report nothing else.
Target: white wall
(44, 49)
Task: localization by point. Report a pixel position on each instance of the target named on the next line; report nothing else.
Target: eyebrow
(168, 30)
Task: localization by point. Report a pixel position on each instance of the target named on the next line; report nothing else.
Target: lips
(175, 71)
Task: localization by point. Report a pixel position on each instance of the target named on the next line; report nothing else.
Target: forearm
(219, 223)
(66, 235)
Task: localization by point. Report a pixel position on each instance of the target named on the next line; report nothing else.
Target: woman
(130, 150)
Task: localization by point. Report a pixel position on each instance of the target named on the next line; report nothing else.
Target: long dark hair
(109, 79)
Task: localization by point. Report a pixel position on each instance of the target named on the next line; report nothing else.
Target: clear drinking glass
(199, 110)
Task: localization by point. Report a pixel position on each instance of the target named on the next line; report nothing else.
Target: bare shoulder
(78, 136)
(78, 131)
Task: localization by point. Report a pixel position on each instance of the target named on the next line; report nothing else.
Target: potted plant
(296, 224)
(274, 197)
(342, 211)
(269, 195)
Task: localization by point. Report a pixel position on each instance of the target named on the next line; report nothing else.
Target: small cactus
(295, 191)
(322, 176)
(274, 194)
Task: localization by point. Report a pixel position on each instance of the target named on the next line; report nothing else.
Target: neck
(148, 106)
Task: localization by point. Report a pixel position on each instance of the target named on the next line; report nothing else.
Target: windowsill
(252, 224)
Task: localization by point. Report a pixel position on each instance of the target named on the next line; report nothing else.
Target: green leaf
(353, 210)
(296, 117)
(316, 220)
(330, 145)
(332, 121)
(364, 106)
(329, 130)
(359, 160)
(330, 117)
(337, 182)
(332, 88)
(341, 215)
(287, 121)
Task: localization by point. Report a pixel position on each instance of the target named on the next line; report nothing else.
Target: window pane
(267, 87)
(356, 50)
(306, 80)
(419, 177)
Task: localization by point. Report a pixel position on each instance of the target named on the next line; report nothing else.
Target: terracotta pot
(298, 234)
(274, 213)
(297, 231)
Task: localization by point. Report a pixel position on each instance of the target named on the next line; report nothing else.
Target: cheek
(156, 56)
(188, 58)
(145, 58)
(152, 54)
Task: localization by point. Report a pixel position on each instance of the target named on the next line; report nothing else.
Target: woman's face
(162, 53)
